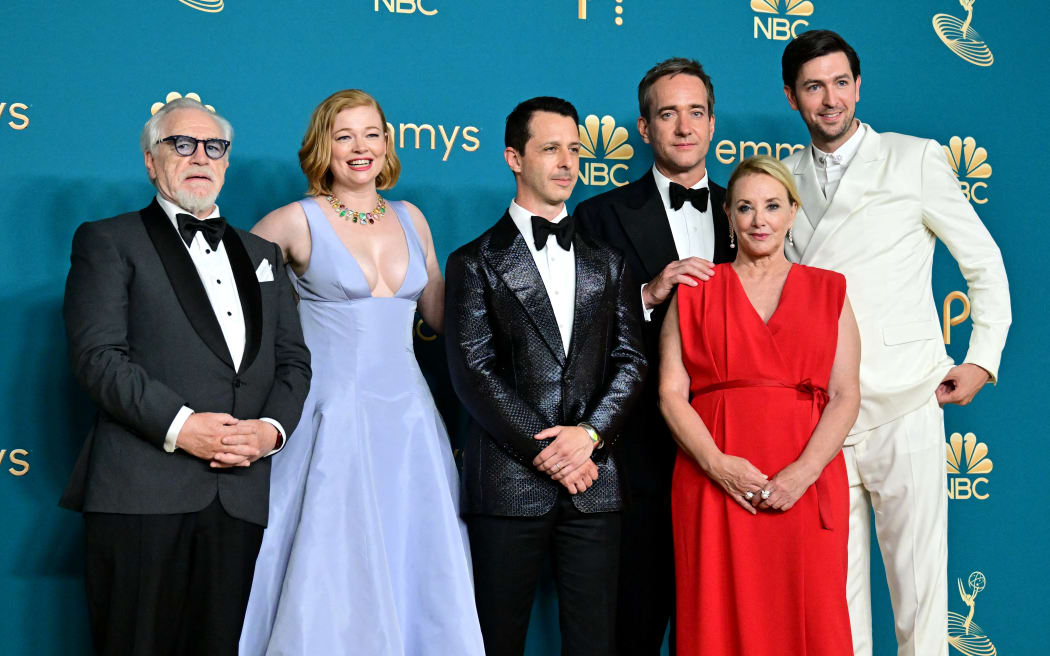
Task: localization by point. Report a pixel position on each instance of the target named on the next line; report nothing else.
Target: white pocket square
(265, 271)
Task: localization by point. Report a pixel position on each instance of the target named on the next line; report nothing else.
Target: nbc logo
(210, 6)
(613, 144)
(967, 460)
(969, 160)
(776, 27)
(961, 38)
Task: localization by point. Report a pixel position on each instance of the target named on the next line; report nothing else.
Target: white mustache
(199, 171)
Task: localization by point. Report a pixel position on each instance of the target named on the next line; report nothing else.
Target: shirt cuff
(647, 313)
(282, 437)
(176, 428)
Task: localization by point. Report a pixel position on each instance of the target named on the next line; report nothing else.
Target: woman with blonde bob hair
(759, 385)
(365, 551)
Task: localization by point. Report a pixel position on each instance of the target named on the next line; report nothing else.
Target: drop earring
(791, 238)
(732, 235)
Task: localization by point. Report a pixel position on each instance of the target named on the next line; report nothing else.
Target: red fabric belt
(820, 400)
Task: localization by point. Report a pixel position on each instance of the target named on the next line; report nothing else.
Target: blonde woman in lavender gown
(365, 552)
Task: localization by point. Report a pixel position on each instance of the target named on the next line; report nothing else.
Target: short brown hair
(315, 155)
(764, 165)
(669, 67)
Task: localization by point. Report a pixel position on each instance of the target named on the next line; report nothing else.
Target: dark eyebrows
(661, 110)
(841, 76)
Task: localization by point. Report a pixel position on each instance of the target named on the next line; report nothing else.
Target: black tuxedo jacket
(632, 218)
(509, 368)
(144, 341)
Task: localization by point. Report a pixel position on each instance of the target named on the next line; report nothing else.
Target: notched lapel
(644, 220)
(185, 281)
(590, 290)
(249, 293)
(511, 258)
(855, 181)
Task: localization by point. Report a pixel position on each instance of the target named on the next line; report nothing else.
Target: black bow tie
(562, 231)
(679, 194)
(212, 229)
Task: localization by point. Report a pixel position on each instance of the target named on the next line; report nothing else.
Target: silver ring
(749, 495)
(557, 466)
(765, 494)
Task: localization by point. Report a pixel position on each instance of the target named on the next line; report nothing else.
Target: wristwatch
(595, 437)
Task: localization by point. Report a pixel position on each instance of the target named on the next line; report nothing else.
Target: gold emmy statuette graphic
(963, 632)
(174, 95)
(970, 161)
(961, 37)
(210, 6)
(602, 139)
(949, 319)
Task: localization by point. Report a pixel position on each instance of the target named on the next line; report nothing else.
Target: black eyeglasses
(186, 146)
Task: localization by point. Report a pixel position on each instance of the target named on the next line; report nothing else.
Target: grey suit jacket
(144, 341)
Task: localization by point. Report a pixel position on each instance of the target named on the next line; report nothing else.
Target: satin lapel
(644, 220)
(248, 291)
(590, 288)
(184, 280)
(510, 257)
(857, 179)
(722, 253)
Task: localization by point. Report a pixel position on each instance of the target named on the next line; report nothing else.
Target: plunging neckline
(780, 300)
(357, 265)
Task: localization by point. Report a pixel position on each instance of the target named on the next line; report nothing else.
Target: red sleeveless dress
(772, 583)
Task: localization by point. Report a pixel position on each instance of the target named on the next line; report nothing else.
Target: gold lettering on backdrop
(404, 7)
(603, 139)
(967, 462)
(948, 319)
(467, 135)
(20, 466)
(778, 28)
(970, 161)
(15, 111)
(729, 152)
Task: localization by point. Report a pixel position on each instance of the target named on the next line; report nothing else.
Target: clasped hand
(567, 459)
(226, 441)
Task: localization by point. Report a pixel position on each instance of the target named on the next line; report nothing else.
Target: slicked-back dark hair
(810, 45)
(517, 132)
(673, 66)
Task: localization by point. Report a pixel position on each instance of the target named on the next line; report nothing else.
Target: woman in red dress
(759, 386)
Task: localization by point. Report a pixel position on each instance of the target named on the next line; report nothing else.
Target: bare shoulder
(284, 223)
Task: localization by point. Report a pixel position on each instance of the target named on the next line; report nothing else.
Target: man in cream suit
(874, 205)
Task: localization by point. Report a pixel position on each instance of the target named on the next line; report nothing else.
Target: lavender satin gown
(365, 552)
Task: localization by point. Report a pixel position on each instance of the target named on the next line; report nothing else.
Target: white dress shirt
(557, 268)
(213, 267)
(693, 231)
(832, 166)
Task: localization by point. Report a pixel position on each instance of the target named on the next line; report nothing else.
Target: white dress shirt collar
(843, 155)
(522, 218)
(663, 185)
(171, 209)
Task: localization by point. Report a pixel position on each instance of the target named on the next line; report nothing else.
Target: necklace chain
(353, 216)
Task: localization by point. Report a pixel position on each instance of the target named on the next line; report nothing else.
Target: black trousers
(508, 555)
(647, 592)
(169, 585)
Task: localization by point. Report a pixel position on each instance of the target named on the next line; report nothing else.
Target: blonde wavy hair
(764, 165)
(315, 155)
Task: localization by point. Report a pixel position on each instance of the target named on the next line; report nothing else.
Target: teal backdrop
(79, 78)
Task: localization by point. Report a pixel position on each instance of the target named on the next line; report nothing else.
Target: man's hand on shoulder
(961, 384)
(659, 289)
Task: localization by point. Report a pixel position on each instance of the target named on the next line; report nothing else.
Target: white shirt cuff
(176, 428)
(282, 437)
(647, 313)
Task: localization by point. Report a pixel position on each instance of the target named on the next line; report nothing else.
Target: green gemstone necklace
(354, 216)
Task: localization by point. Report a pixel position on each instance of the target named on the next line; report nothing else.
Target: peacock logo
(968, 463)
(602, 139)
(791, 7)
(770, 21)
(175, 95)
(970, 163)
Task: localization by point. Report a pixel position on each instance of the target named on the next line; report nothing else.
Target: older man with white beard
(191, 348)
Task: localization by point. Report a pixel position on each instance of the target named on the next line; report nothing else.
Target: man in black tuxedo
(545, 353)
(185, 333)
(669, 224)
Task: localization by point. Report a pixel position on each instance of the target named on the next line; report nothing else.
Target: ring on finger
(749, 495)
(765, 494)
(557, 466)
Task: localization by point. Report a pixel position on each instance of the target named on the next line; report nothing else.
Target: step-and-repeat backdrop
(79, 79)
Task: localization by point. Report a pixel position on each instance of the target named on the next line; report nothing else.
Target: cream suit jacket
(896, 198)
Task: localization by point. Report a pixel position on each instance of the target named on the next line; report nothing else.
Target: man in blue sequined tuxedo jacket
(545, 353)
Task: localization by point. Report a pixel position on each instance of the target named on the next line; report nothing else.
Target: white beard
(193, 202)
